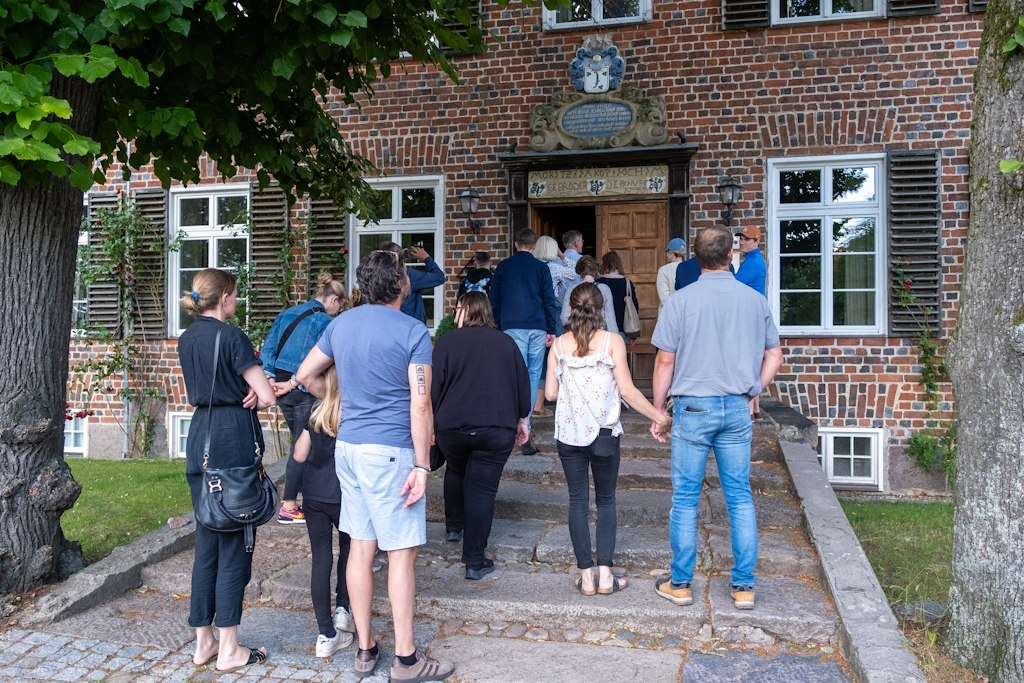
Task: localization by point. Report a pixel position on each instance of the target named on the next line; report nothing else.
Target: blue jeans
(722, 422)
(531, 345)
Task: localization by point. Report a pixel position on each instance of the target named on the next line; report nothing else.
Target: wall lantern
(470, 200)
(729, 191)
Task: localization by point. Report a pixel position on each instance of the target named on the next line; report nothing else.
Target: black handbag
(235, 498)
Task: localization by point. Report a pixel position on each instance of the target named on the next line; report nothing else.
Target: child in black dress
(321, 494)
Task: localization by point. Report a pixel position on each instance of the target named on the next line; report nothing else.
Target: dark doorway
(554, 221)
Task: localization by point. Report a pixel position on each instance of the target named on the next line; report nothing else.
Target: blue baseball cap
(676, 244)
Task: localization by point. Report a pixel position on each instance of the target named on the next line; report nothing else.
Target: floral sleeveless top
(588, 398)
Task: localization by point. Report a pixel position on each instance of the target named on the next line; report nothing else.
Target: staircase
(536, 567)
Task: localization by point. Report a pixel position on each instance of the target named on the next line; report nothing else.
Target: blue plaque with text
(597, 119)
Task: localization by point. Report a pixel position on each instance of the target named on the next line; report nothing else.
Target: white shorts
(371, 478)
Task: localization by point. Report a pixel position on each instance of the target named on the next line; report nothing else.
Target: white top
(666, 282)
(588, 398)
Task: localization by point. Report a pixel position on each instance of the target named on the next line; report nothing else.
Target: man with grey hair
(718, 348)
(572, 240)
(665, 282)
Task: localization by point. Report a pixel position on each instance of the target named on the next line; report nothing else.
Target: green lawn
(909, 546)
(122, 500)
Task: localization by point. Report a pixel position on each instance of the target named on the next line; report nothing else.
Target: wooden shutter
(269, 221)
(912, 8)
(914, 242)
(464, 28)
(737, 14)
(102, 295)
(976, 5)
(150, 320)
(328, 237)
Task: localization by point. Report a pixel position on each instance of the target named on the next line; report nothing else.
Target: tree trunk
(986, 631)
(38, 243)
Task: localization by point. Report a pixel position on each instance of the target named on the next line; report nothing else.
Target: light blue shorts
(371, 478)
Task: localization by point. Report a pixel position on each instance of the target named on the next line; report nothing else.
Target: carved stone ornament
(574, 120)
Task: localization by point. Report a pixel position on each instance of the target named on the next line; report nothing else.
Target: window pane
(423, 240)
(79, 314)
(862, 467)
(619, 9)
(800, 8)
(841, 445)
(368, 243)
(800, 272)
(853, 184)
(800, 237)
(841, 467)
(853, 308)
(578, 10)
(232, 210)
(194, 211)
(851, 6)
(380, 200)
(853, 235)
(800, 187)
(232, 253)
(853, 272)
(862, 445)
(800, 308)
(418, 202)
(194, 253)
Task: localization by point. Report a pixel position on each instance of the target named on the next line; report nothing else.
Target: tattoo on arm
(421, 380)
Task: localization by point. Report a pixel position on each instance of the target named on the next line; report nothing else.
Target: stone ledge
(869, 634)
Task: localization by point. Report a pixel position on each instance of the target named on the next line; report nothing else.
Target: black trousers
(220, 572)
(321, 521)
(296, 406)
(476, 457)
(577, 462)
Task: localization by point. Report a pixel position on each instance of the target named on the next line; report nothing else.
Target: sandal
(579, 587)
(255, 657)
(617, 585)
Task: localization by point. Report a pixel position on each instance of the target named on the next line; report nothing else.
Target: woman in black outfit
(612, 276)
(481, 398)
(222, 567)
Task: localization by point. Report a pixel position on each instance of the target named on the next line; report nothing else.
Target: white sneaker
(343, 620)
(325, 647)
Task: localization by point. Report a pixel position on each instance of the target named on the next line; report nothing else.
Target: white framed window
(410, 211)
(851, 457)
(76, 436)
(80, 302)
(177, 433)
(826, 226)
(582, 13)
(803, 11)
(212, 225)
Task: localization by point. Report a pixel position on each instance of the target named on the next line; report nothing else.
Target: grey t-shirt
(373, 347)
(719, 329)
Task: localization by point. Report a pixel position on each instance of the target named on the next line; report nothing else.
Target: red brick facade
(744, 97)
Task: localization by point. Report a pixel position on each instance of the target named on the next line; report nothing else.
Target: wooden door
(639, 233)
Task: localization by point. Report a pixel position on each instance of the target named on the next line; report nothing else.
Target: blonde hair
(328, 286)
(208, 286)
(546, 249)
(326, 415)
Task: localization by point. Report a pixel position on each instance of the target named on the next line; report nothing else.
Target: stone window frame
(212, 231)
(826, 459)
(777, 213)
(80, 296)
(551, 23)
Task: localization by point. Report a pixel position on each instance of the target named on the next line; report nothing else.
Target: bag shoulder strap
(295, 323)
(209, 404)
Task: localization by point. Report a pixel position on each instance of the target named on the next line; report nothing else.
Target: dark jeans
(220, 572)
(577, 462)
(321, 521)
(296, 406)
(476, 456)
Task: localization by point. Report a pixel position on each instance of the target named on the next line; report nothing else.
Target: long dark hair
(586, 305)
(477, 310)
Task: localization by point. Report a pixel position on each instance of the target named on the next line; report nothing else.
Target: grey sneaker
(365, 662)
(325, 647)
(425, 669)
(343, 620)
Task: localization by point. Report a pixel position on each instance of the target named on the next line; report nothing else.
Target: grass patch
(909, 545)
(122, 500)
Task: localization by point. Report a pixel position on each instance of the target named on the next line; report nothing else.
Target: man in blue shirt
(419, 280)
(523, 302)
(753, 270)
(572, 240)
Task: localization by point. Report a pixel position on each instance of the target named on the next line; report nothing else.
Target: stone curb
(120, 571)
(869, 633)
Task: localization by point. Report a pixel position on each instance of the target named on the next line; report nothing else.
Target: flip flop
(255, 657)
(579, 587)
(617, 586)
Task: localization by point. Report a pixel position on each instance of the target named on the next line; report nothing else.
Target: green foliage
(909, 545)
(123, 500)
(931, 448)
(168, 81)
(445, 325)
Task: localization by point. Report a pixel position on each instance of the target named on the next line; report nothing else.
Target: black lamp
(729, 191)
(470, 200)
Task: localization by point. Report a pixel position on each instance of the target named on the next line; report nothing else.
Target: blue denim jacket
(302, 339)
